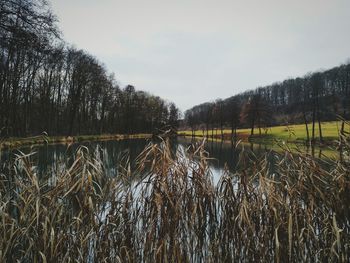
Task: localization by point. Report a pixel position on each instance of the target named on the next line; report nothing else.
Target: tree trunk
(313, 125)
(259, 128)
(320, 128)
(319, 120)
(252, 128)
(222, 132)
(207, 127)
(232, 130)
(212, 131)
(307, 128)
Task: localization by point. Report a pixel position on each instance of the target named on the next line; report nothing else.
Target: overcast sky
(193, 51)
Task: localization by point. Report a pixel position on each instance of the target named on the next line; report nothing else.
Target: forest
(46, 85)
(310, 100)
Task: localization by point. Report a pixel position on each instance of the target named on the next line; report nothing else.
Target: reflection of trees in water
(50, 159)
(228, 153)
(237, 157)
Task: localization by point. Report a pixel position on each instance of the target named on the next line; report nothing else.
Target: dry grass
(294, 211)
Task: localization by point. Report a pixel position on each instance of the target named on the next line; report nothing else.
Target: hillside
(314, 98)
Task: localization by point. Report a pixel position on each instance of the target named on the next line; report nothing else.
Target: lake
(50, 159)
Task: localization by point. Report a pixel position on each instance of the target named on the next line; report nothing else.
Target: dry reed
(296, 211)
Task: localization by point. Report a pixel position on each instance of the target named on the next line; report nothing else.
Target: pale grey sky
(192, 51)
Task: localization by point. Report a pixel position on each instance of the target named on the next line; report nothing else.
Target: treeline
(46, 85)
(316, 97)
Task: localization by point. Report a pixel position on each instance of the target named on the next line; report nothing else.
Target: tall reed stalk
(296, 211)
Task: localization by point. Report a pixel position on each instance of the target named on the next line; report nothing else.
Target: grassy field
(291, 133)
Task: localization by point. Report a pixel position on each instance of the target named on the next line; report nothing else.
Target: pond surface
(49, 159)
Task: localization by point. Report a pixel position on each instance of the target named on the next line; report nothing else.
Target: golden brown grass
(293, 211)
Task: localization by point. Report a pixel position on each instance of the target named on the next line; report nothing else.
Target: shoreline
(329, 141)
(43, 139)
(15, 142)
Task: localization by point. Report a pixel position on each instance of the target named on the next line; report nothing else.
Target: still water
(50, 159)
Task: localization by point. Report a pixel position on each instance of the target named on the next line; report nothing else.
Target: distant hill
(316, 97)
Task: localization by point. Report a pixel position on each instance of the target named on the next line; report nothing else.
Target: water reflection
(51, 159)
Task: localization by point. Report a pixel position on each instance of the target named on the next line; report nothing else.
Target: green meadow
(288, 133)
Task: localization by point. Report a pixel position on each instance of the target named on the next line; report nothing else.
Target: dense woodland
(316, 97)
(46, 85)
